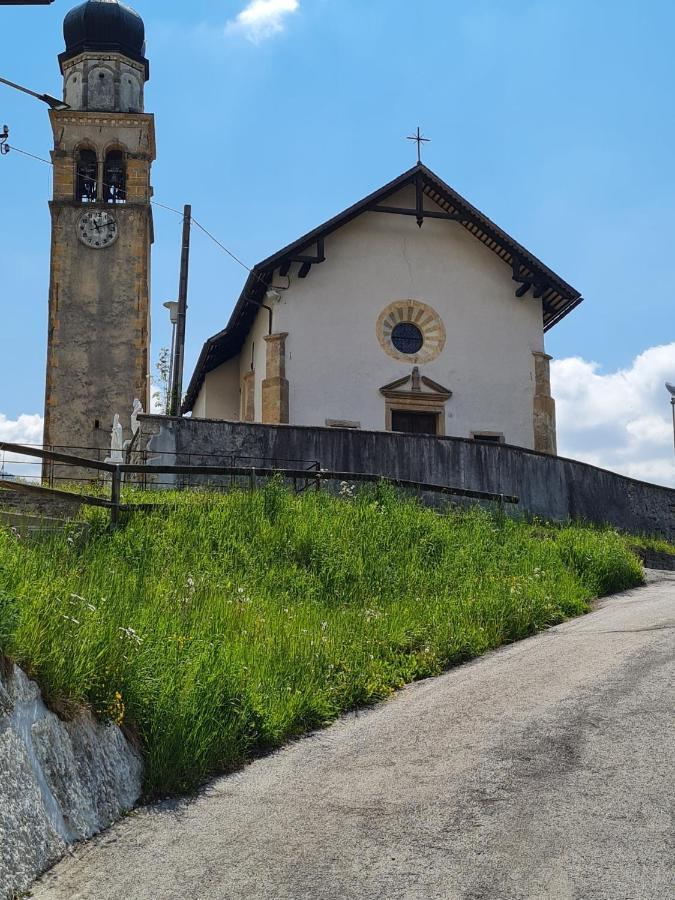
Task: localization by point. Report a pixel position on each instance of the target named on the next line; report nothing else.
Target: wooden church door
(414, 422)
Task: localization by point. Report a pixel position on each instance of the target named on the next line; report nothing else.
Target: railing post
(115, 495)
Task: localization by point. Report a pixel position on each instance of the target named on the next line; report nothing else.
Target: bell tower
(102, 233)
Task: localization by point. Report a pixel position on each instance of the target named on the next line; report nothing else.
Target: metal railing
(144, 476)
(42, 466)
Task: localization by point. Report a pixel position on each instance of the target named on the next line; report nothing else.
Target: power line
(222, 246)
(31, 155)
(178, 212)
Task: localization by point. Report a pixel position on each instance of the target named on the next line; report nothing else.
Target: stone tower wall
(99, 300)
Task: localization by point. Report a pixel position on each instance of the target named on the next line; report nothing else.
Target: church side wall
(219, 397)
(199, 409)
(336, 364)
(550, 487)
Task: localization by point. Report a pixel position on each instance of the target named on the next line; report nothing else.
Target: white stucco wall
(335, 364)
(199, 409)
(219, 395)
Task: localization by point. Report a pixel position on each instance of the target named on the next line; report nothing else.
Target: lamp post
(51, 102)
(671, 390)
(172, 306)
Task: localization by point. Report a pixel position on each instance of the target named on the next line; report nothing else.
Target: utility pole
(179, 349)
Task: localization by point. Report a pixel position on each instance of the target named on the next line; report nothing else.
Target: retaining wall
(550, 487)
(60, 782)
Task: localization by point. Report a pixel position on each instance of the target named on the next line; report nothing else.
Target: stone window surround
(480, 435)
(101, 162)
(399, 398)
(424, 317)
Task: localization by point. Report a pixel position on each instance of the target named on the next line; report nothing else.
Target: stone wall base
(60, 782)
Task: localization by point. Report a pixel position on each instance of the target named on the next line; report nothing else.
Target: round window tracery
(411, 331)
(407, 338)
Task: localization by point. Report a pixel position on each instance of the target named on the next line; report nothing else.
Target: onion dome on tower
(104, 26)
(104, 66)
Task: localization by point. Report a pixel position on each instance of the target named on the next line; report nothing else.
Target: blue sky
(552, 116)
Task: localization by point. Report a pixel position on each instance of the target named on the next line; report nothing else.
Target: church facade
(410, 311)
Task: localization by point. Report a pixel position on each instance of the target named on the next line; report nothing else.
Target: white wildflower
(130, 635)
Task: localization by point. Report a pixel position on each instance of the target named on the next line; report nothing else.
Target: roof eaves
(505, 239)
(201, 368)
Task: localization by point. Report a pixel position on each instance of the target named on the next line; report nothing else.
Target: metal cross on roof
(419, 140)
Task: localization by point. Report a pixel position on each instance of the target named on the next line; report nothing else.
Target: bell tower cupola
(102, 232)
(104, 65)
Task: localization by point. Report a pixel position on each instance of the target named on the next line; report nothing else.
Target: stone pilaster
(64, 175)
(248, 397)
(138, 179)
(545, 440)
(275, 386)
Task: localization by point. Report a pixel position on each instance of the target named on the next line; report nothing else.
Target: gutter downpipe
(269, 309)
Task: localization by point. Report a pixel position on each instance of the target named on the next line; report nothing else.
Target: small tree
(163, 367)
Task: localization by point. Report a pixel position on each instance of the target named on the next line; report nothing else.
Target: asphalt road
(544, 770)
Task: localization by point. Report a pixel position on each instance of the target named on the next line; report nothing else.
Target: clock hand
(105, 225)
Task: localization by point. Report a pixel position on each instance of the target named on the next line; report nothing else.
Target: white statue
(136, 412)
(116, 442)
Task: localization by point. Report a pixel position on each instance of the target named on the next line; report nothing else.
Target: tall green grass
(220, 626)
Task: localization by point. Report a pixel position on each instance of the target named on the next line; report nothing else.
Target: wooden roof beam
(428, 214)
(305, 260)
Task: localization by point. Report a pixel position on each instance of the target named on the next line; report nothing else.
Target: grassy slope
(223, 625)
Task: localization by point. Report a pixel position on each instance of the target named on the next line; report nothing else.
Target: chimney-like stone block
(545, 439)
(275, 387)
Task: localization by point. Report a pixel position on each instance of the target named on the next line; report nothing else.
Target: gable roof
(558, 297)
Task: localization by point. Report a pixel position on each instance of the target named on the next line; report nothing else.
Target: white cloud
(262, 19)
(24, 430)
(620, 420)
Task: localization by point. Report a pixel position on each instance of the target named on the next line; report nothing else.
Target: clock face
(97, 229)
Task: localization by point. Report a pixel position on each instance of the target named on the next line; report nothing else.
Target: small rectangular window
(342, 423)
(488, 437)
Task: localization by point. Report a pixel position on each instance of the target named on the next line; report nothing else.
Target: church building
(410, 311)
